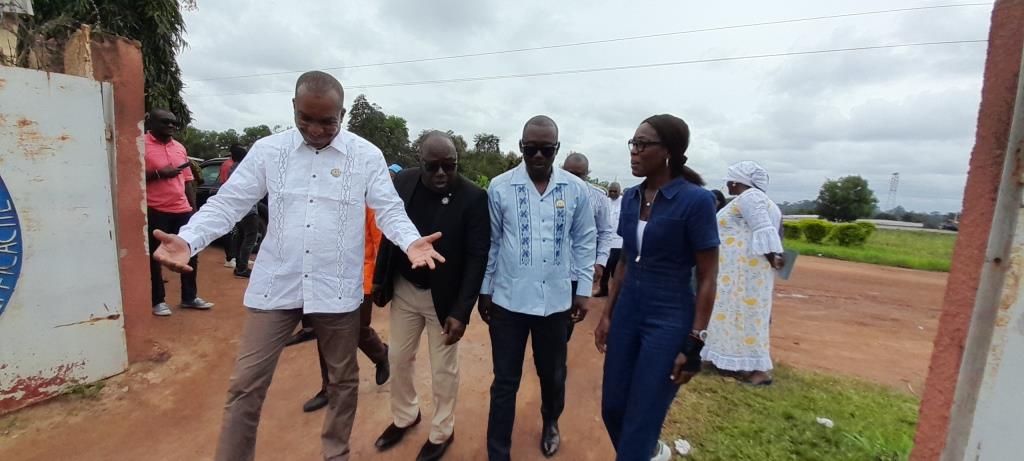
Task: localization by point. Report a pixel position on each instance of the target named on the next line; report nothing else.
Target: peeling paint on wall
(28, 389)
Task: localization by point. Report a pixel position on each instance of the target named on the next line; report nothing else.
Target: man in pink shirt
(170, 198)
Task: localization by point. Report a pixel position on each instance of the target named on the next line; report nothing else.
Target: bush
(816, 230)
(849, 235)
(792, 231)
(869, 229)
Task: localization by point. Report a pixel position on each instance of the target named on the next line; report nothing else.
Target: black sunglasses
(639, 145)
(432, 167)
(548, 151)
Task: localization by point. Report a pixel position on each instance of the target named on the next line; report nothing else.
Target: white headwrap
(750, 174)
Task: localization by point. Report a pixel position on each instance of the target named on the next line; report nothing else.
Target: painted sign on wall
(10, 247)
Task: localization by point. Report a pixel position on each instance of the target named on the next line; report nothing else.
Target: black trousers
(609, 270)
(248, 229)
(509, 331)
(170, 223)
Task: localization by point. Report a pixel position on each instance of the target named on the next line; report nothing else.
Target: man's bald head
(439, 161)
(540, 121)
(162, 124)
(317, 82)
(614, 190)
(436, 141)
(577, 164)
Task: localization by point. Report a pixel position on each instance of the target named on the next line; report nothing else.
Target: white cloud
(806, 118)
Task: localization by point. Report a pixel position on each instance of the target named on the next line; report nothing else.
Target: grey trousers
(262, 340)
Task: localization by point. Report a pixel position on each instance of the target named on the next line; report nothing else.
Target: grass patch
(725, 420)
(85, 391)
(910, 249)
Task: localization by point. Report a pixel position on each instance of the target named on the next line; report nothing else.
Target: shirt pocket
(345, 188)
(664, 235)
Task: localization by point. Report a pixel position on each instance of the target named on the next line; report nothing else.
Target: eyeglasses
(433, 167)
(639, 145)
(548, 151)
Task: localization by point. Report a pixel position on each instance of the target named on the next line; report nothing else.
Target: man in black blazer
(437, 199)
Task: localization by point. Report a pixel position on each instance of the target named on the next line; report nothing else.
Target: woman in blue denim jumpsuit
(651, 330)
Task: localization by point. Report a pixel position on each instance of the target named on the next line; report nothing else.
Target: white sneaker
(162, 309)
(664, 452)
(230, 263)
(198, 303)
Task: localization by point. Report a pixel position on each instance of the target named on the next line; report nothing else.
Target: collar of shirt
(558, 176)
(669, 190)
(339, 143)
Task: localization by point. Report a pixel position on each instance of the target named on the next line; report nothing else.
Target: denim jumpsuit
(654, 312)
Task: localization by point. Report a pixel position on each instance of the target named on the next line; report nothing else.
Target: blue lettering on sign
(11, 249)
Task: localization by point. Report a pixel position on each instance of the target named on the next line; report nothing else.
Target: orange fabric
(225, 171)
(373, 237)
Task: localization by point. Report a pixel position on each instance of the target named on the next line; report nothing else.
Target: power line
(616, 68)
(595, 42)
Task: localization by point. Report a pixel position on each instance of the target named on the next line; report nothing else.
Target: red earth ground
(865, 321)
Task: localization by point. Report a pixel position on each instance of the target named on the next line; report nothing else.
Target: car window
(210, 174)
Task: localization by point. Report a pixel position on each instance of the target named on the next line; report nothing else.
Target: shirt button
(307, 225)
(314, 176)
(306, 276)
(310, 200)
(307, 251)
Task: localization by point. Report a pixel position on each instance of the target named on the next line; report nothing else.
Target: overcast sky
(805, 118)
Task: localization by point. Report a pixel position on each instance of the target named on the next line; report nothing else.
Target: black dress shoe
(434, 451)
(550, 439)
(393, 434)
(303, 335)
(383, 372)
(317, 402)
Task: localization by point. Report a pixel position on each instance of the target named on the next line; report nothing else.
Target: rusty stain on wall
(31, 142)
(28, 389)
(92, 320)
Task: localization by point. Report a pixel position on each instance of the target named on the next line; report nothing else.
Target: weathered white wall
(63, 323)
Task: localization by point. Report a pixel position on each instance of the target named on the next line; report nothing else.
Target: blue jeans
(643, 343)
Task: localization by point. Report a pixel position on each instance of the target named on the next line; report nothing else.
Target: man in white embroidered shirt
(319, 178)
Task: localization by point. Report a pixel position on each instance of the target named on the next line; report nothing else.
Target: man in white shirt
(579, 165)
(615, 207)
(320, 178)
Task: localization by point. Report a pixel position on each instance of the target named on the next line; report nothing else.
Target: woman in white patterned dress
(737, 338)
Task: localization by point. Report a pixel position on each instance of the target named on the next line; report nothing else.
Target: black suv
(209, 170)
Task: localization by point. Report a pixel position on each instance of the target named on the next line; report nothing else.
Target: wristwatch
(702, 335)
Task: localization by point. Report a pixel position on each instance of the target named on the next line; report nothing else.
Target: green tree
(253, 134)
(387, 132)
(157, 24)
(458, 140)
(486, 143)
(207, 144)
(200, 143)
(846, 199)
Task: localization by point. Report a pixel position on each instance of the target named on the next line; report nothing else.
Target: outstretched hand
(173, 252)
(421, 253)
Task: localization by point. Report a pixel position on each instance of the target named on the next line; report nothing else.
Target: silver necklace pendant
(444, 200)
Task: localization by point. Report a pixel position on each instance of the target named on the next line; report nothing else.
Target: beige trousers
(263, 338)
(412, 311)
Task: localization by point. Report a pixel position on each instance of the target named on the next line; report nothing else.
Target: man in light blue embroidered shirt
(543, 236)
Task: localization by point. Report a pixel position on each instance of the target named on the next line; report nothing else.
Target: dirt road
(855, 319)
